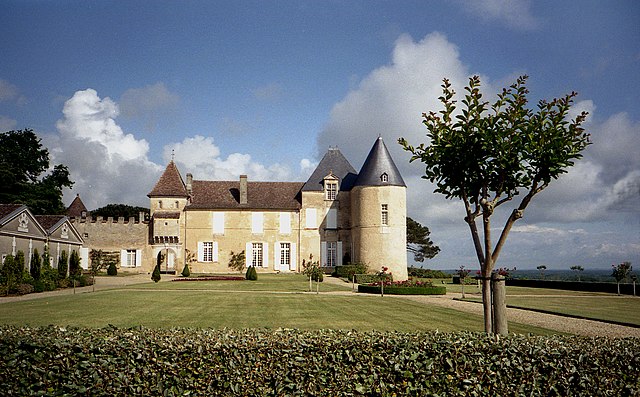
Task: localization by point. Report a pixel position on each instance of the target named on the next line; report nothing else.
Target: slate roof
(260, 195)
(49, 221)
(170, 183)
(7, 209)
(76, 208)
(379, 162)
(332, 162)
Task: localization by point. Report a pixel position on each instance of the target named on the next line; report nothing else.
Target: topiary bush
(186, 272)
(251, 274)
(112, 270)
(155, 276)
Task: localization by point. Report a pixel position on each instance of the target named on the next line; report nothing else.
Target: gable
(64, 231)
(22, 223)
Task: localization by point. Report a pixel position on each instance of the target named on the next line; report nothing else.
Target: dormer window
(384, 178)
(330, 187)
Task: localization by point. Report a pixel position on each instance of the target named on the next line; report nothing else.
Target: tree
(463, 273)
(155, 276)
(418, 241)
(99, 261)
(63, 265)
(23, 160)
(541, 268)
(577, 269)
(621, 272)
(487, 155)
(75, 271)
(35, 265)
(237, 261)
(119, 210)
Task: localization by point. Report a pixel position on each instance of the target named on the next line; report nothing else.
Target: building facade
(337, 216)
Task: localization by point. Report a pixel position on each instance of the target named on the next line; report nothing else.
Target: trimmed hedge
(587, 286)
(391, 290)
(371, 278)
(55, 361)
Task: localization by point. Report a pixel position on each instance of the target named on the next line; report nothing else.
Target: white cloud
(9, 92)
(7, 123)
(307, 167)
(200, 156)
(515, 14)
(148, 103)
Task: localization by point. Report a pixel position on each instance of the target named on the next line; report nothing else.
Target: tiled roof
(77, 208)
(170, 183)
(6, 209)
(379, 162)
(48, 221)
(335, 163)
(260, 195)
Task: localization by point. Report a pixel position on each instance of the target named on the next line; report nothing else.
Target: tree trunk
(486, 302)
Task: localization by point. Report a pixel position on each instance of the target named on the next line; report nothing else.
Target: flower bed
(407, 287)
(210, 278)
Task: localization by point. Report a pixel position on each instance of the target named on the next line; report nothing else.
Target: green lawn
(239, 310)
(265, 282)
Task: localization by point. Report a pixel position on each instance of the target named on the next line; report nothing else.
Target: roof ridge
(170, 183)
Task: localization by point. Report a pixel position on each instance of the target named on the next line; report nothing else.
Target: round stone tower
(378, 214)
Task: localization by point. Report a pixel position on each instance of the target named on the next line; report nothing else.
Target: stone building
(338, 215)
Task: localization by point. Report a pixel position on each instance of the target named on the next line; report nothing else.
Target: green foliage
(312, 269)
(155, 276)
(119, 210)
(621, 271)
(347, 271)
(372, 278)
(112, 270)
(141, 361)
(24, 289)
(23, 160)
(36, 264)
(63, 265)
(10, 274)
(418, 241)
(426, 273)
(251, 273)
(237, 261)
(185, 271)
(75, 270)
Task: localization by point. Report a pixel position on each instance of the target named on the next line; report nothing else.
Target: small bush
(318, 277)
(251, 274)
(84, 281)
(371, 278)
(24, 289)
(38, 286)
(347, 271)
(64, 283)
(392, 290)
(186, 272)
(426, 273)
(112, 270)
(155, 276)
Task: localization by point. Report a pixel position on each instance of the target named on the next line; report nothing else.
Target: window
(218, 223)
(285, 223)
(160, 204)
(385, 215)
(256, 254)
(131, 258)
(257, 222)
(331, 254)
(384, 177)
(311, 215)
(331, 190)
(207, 251)
(285, 255)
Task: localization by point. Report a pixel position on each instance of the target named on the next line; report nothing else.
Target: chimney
(189, 183)
(243, 189)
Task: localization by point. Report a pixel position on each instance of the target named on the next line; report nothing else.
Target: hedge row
(392, 290)
(55, 361)
(588, 286)
(371, 278)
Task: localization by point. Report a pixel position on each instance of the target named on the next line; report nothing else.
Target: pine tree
(155, 276)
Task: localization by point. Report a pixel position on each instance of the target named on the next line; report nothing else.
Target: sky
(114, 88)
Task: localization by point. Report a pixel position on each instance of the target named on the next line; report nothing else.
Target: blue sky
(263, 88)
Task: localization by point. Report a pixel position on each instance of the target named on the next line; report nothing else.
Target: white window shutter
(323, 253)
(339, 253)
(294, 259)
(247, 255)
(200, 251)
(311, 220)
(218, 223)
(277, 260)
(138, 258)
(123, 258)
(84, 257)
(332, 218)
(215, 251)
(285, 223)
(257, 222)
(265, 254)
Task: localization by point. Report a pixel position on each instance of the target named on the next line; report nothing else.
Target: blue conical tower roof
(334, 163)
(379, 169)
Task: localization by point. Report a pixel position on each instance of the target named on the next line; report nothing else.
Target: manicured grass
(265, 282)
(239, 310)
